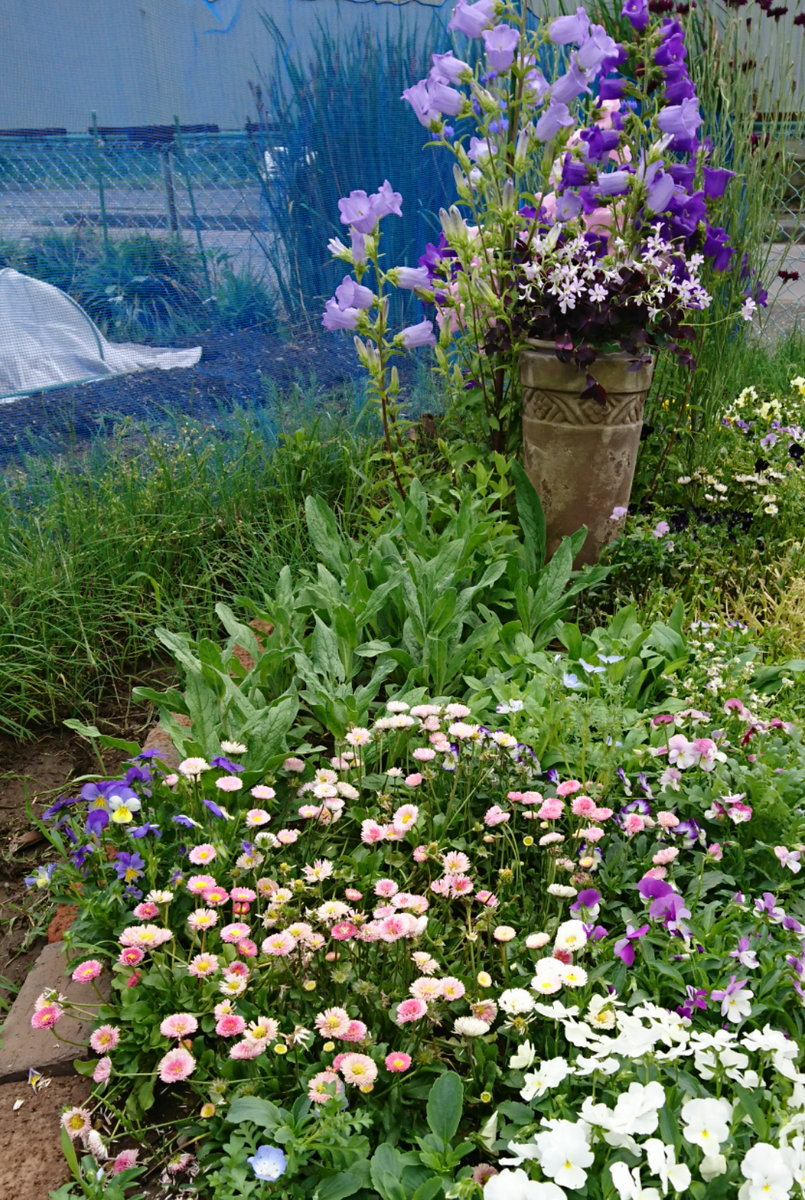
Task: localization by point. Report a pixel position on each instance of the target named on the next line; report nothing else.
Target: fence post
(191, 198)
(99, 171)
(170, 197)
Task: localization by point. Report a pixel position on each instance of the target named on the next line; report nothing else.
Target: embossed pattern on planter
(565, 408)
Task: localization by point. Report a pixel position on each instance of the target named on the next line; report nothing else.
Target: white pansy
(588, 1066)
(771, 1041)
(557, 1011)
(767, 1174)
(628, 1183)
(524, 1058)
(564, 1152)
(515, 1185)
(548, 1075)
(711, 1166)
(707, 1123)
(662, 1163)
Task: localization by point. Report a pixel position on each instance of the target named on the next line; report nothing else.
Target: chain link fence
(208, 190)
(192, 184)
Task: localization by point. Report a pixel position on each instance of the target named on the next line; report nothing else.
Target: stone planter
(581, 455)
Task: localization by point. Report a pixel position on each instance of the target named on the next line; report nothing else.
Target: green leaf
(324, 651)
(266, 732)
(386, 1170)
(326, 536)
(339, 1186)
(114, 743)
(752, 1109)
(68, 1150)
(86, 731)
(530, 514)
(171, 699)
(445, 1104)
(260, 1112)
(428, 1190)
(202, 705)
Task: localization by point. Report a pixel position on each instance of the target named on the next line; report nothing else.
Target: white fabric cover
(47, 340)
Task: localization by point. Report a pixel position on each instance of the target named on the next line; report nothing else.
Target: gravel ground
(234, 369)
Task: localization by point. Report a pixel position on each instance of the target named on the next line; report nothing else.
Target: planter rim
(606, 356)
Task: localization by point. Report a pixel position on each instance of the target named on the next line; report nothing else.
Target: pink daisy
(103, 1069)
(178, 1025)
(46, 1016)
(333, 1022)
(410, 1010)
(244, 1051)
(233, 933)
(197, 883)
(124, 1161)
(230, 1026)
(146, 910)
(324, 1086)
(105, 1037)
(229, 783)
(215, 896)
(202, 854)
(287, 837)
(359, 1069)
(356, 1032)
(203, 964)
(398, 1061)
(87, 971)
(257, 816)
(131, 956)
(279, 945)
(176, 1065)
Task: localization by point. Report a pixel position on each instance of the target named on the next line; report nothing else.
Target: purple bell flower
(556, 116)
(636, 13)
(472, 19)
(715, 181)
(570, 85)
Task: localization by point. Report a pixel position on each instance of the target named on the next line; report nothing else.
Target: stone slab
(31, 1162)
(24, 1047)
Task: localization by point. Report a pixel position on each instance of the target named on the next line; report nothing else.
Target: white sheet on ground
(47, 340)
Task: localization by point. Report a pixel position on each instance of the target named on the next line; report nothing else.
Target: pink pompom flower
(87, 971)
(103, 1069)
(397, 1062)
(46, 1016)
(125, 1160)
(178, 1025)
(231, 1025)
(204, 853)
(131, 956)
(176, 1065)
(104, 1038)
(410, 1010)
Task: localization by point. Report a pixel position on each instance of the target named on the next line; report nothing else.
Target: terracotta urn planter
(581, 455)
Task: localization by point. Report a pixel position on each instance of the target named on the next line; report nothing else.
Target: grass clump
(156, 526)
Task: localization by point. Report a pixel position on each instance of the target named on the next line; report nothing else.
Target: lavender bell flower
(716, 247)
(358, 246)
(613, 183)
(358, 210)
(678, 84)
(426, 112)
(660, 192)
(680, 120)
(418, 335)
(445, 99)
(636, 13)
(556, 116)
(412, 277)
(565, 30)
(386, 202)
(501, 43)
(349, 294)
(337, 318)
(448, 69)
(472, 19)
(568, 207)
(595, 49)
(570, 85)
